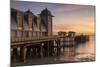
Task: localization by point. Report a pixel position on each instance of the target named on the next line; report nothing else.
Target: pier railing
(20, 39)
(30, 40)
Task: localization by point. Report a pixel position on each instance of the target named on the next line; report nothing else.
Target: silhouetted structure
(81, 38)
(61, 33)
(26, 24)
(71, 33)
(31, 36)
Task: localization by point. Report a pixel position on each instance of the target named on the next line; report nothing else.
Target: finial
(46, 8)
(28, 9)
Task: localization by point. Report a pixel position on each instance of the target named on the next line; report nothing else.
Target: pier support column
(64, 43)
(33, 51)
(28, 52)
(45, 49)
(38, 50)
(58, 48)
(48, 49)
(41, 50)
(23, 54)
(51, 48)
(15, 54)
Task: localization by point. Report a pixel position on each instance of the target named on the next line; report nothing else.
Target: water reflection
(80, 52)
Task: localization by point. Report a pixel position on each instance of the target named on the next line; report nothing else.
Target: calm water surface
(81, 52)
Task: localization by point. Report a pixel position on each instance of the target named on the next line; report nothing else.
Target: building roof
(46, 12)
(25, 19)
(14, 13)
(16, 10)
(29, 12)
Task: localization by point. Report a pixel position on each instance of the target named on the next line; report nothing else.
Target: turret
(46, 19)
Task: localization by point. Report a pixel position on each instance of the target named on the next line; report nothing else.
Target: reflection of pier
(37, 47)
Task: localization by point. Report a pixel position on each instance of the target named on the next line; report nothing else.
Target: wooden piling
(48, 48)
(41, 50)
(28, 52)
(45, 49)
(14, 54)
(58, 47)
(23, 54)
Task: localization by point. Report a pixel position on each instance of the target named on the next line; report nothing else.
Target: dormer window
(29, 18)
(35, 20)
(30, 21)
(19, 20)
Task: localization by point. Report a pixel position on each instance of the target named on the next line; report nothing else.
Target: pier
(23, 48)
(32, 36)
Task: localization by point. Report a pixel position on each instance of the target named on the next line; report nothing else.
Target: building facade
(26, 24)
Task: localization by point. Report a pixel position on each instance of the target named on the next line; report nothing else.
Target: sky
(68, 17)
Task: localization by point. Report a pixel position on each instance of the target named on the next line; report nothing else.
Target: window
(19, 20)
(30, 21)
(26, 33)
(30, 34)
(19, 33)
(13, 34)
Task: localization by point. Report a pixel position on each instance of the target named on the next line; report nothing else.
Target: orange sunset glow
(76, 18)
(84, 26)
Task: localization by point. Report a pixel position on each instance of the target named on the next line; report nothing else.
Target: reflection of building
(26, 24)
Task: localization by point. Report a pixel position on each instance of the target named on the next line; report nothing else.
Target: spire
(46, 9)
(29, 11)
